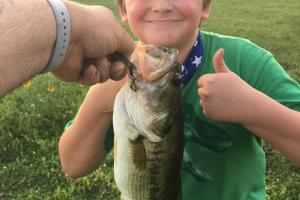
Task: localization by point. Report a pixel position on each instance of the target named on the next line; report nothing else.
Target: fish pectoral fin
(152, 137)
(132, 132)
(138, 153)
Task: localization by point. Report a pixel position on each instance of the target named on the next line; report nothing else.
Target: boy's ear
(206, 11)
(123, 13)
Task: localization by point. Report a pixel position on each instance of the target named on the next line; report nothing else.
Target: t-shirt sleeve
(264, 73)
(109, 138)
(276, 83)
(69, 123)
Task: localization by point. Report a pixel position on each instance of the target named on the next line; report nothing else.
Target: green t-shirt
(225, 161)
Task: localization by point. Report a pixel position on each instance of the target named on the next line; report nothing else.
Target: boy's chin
(161, 43)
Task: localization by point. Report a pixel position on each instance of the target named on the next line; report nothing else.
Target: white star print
(182, 67)
(197, 60)
(196, 43)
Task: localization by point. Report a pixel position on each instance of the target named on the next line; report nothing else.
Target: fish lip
(169, 57)
(174, 55)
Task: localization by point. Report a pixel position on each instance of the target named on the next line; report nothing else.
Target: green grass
(272, 24)
(32, 119)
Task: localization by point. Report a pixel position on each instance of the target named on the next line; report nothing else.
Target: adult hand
(29, 35)
(95, 35)
(224, 96)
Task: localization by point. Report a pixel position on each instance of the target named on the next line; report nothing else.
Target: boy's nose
(162, 5)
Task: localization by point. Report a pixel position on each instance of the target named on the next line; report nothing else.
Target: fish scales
(148, 129)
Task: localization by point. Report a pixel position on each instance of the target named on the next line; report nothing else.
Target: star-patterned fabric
(192, 61)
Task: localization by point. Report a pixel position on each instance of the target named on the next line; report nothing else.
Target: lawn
(33, 116)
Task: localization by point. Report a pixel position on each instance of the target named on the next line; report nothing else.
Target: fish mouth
(154, 62)
(169, 57)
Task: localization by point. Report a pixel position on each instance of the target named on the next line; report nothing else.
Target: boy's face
(169, 23)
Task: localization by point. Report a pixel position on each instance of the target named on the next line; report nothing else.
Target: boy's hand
(224, 96)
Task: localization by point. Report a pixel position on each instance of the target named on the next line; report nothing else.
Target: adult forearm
(27, 32)
(278, 125)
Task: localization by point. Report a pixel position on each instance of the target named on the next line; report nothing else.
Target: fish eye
(156, 53)
(176, 79)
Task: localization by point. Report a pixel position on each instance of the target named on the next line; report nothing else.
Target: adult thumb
(126, 44)
(218, 61)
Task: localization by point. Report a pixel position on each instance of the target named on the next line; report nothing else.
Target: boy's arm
(226, 97)
(277, 124)
(81, 147)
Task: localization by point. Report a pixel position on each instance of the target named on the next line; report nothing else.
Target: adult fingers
(94, 71)
(90, 75)
(103, 67)
(125, 43)
(117, 71)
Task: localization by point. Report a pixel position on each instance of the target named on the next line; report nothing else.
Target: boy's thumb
(218, 61)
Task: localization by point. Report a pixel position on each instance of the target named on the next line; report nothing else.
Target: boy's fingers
(203, 79)
(218, 61)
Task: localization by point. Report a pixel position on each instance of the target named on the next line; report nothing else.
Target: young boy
(224, 157)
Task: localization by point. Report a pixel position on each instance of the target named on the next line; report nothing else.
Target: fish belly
(147, 171)
(131, 182)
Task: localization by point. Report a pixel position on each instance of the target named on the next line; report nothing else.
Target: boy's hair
(205, 2)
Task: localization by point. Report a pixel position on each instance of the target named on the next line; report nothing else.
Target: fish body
(148, 127)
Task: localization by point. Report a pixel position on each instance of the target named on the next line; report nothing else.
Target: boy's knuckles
(209, 113)
(203, 92)
(203, 79)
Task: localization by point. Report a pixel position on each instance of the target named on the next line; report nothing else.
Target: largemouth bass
(148, 126)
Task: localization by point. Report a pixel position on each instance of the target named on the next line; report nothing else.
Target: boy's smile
(164, 22)
(168, 23)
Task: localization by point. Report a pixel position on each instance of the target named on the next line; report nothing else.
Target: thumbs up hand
(224, 96)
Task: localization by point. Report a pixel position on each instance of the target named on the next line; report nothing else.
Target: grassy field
(32, 118)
